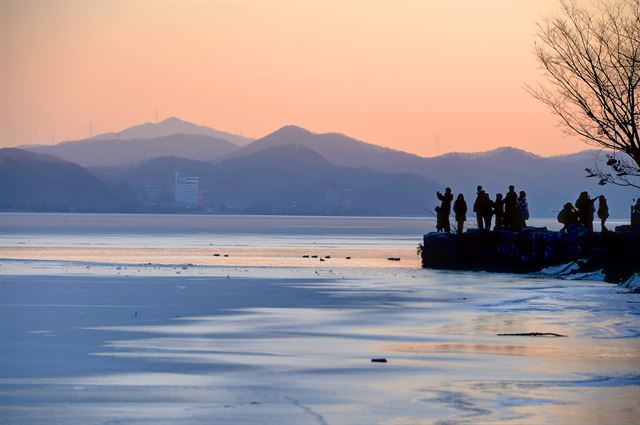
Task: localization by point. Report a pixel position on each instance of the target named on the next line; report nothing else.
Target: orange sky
(426, 77)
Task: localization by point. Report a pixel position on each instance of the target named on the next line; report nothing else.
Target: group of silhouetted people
(583, 212)
(511, 211)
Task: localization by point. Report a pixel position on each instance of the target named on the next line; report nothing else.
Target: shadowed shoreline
(615, 254)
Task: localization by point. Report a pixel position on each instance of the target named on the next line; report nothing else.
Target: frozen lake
(135, 319)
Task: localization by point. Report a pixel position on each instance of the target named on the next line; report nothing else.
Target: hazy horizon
(426, 78)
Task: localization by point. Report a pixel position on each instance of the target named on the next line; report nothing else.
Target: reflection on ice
(559, 351)
(297, 349)
(122, 379)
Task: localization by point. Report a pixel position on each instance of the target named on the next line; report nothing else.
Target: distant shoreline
(616, 220)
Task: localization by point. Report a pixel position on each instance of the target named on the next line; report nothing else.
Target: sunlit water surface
(144, 320)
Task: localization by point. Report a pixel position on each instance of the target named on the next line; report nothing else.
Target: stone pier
(615, 253)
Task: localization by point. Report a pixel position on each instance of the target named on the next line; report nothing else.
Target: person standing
(439, 220)
(498, 210)
(476, 207)
(445, 207)
(460, 211)
(584, 205)
(486, 210)
(511, 209)
(523, 210)
(603, 212)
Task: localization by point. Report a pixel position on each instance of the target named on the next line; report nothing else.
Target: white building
(186, 191)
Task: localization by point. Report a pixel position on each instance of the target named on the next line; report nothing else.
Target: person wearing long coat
(460, 211)
(511, 209)
(477, 207)
(523, 210)
(486, 210)
(603, 212)
(584, 205)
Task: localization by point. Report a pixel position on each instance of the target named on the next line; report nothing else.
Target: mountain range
(170, 137)
(169, 126)
(296, 171)
(111, 152)
(285, 179)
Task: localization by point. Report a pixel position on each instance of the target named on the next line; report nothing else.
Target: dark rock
(617, 254)
(552, 334)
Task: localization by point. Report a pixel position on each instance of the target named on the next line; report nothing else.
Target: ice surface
(118, 342)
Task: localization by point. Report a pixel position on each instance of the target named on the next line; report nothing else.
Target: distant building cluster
(186, 191)
(148, 195)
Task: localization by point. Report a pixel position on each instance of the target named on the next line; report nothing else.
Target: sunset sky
(426, 77)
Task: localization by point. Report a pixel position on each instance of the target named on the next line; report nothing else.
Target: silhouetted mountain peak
(509, 151)
(286, 155)
(173, 120)
(109, 152)
(167, 127)
(289, 131)
(504, 152)
(590, 154)
(296, 134)
(337, 148)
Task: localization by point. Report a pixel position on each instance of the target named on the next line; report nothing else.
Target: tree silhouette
(591, 60)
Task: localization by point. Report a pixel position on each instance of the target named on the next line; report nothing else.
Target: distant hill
(36, 182)
(286, 180)
(586, 155)
(109, 152)
(168, 127)
(548, 181)
(170, 137)
(284, 162)
(338, 149)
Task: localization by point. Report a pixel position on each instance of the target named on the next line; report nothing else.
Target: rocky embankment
(615, 255)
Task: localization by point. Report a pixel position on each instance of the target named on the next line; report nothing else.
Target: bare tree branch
(624, 173)
(591, 61)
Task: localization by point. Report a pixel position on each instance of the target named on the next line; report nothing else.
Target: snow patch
(633, 283)
(561, 270)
